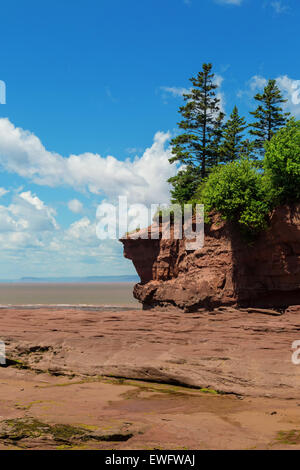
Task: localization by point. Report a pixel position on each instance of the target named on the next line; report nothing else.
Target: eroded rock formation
(226, 271)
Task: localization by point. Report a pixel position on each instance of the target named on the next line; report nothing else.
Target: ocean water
(98, 294)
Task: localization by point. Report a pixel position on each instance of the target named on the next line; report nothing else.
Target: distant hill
(124, 278)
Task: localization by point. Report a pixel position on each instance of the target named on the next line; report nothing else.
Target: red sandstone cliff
(226, 271)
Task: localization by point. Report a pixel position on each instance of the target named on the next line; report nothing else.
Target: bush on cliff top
(240, 193)
(245, 193)
(282, 163)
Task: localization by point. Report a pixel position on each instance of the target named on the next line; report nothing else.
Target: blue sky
(90, 86)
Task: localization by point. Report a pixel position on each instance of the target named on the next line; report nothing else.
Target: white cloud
(3, 191)
(175, 91)
(141, 179)
(278, 6)
(253, 85)
(219, 94)
(33, 200)
(29, 213)
(75, 206)
(218, 80)
(289, 87)
(31, 240)
(257, 82)
(25, 223)
(32, 243)
(230, 2)
(13, 242)
(291, 91)
(84, 254)
(82, 229)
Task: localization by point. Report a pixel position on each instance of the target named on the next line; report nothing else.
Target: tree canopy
(233, 145)
(219, 160)
(269, 117)
(201, 123)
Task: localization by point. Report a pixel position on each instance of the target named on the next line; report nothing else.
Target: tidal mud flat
(133, 379)
(68, 293)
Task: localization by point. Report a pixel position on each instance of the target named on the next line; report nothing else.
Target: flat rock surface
(231, 351)
(54, 393)
(40, 411)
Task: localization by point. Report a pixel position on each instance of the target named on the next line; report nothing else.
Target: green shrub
(241, 193)
(282, 162)
(245, 191)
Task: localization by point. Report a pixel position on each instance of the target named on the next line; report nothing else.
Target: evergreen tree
(233, 145)
(247, 149)
(216, 139)
(195, 147)
(269, 116)
(185, 184)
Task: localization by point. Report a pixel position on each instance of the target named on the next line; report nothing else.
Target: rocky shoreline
(245, 351)
(162, 372)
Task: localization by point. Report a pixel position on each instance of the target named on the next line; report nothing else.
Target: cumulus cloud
(16, 242)
(83, 229)
(84, 254)
(142, 179)
(31, 242)
(32, 200)
(291, 91)
(32, 214)
(75, 206)
(25, 222)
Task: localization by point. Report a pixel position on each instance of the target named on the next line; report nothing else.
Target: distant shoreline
(73, 280)
(90, 308)
(68, 294)
(64, 283)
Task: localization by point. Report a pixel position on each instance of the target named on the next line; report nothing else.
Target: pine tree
(185, 184)
(247, 149)
(233, 144)
(269, 116)
(216, 139)
(201, 114)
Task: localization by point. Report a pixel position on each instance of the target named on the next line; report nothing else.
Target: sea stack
(226, 271)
